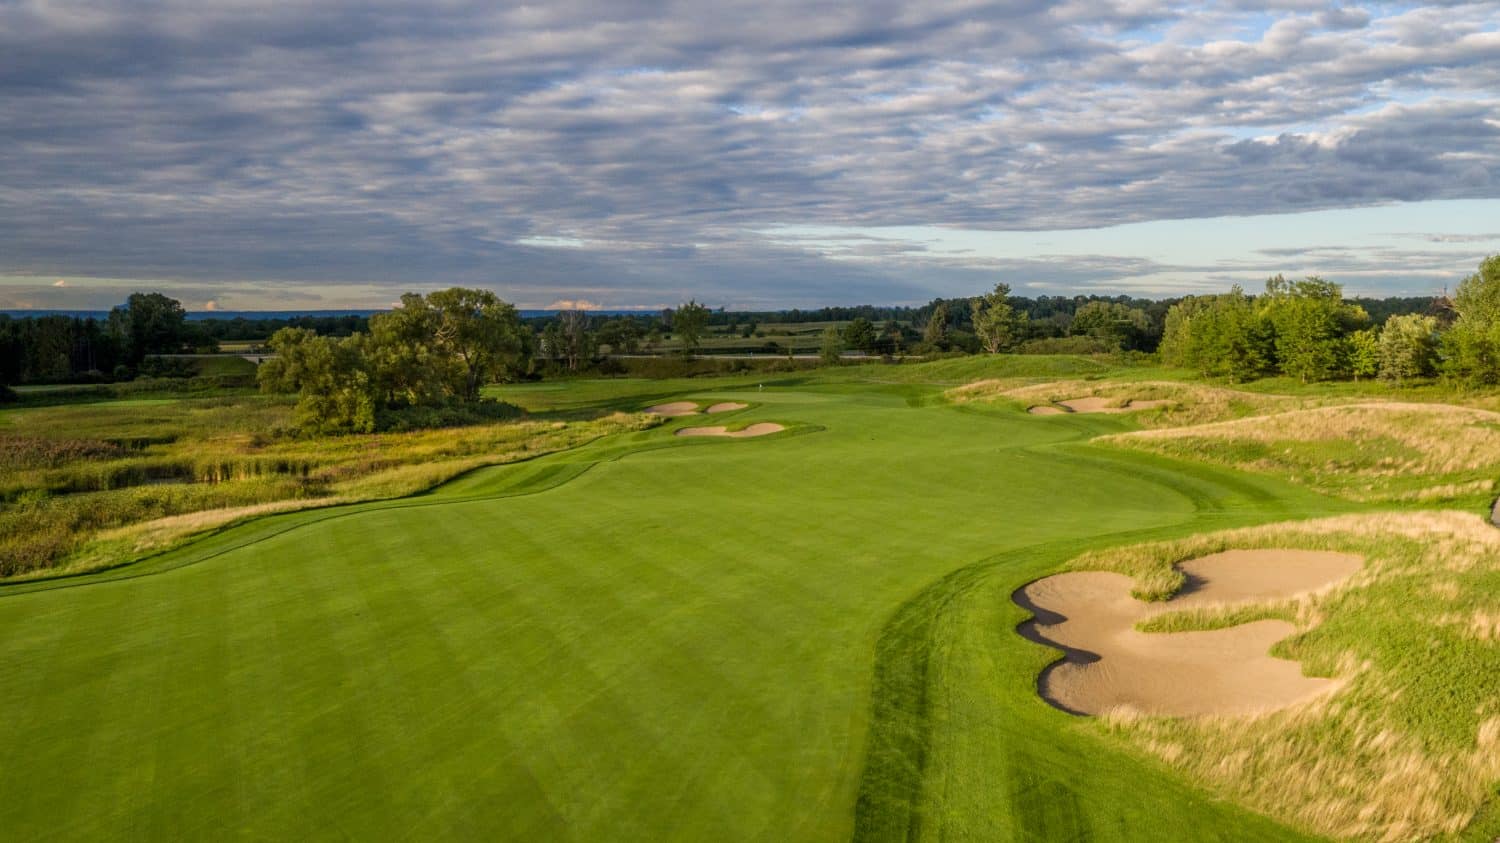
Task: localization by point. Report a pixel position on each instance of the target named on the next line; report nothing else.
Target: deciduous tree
(1472, 345)
(688, 322)
(832, 346)
(483, 334)
(860, 334)
(996, 323)
(1364, 354)
(1408, 347)
(1309, 320)
(149, 323)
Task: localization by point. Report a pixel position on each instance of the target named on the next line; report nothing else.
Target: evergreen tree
(936, 332)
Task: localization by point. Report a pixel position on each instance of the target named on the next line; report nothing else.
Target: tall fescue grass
(1385, 451)
(1188, 403)
(1409, 748)
(83, 486)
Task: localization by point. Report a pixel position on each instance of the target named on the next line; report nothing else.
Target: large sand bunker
(758, 429)
(726, 407)
(1108, 663)
(676, 408)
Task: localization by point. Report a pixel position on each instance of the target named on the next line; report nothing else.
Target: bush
(8, 395)
(610, 367)
(1065, 345)
(454, 414)
(168, 367)
(662, 368)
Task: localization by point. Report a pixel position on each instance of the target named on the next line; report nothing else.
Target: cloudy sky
(321, 153)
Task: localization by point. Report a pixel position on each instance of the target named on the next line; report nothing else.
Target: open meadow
(580, 625)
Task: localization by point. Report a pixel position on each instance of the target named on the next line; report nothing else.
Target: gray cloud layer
(422, 143)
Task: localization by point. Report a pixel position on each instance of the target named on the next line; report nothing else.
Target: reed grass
(82, 485)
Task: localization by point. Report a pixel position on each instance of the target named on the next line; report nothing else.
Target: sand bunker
(676, 408)
(726, 407)
(758, 429)
(1092, 405)
(1102, 405)
(1091, 617)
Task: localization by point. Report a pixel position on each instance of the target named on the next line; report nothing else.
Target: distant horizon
(529, 312)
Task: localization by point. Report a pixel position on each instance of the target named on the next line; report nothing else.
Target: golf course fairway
(801, 636)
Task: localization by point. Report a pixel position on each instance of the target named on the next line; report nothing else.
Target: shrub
(453, 414)
(1065, 345)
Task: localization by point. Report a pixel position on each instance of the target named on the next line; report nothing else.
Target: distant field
(805, 636)
(224, 365)
(799, 337)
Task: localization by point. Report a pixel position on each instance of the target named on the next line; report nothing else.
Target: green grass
(803, 637)
(224, 365)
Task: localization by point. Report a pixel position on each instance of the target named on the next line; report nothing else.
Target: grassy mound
(1186, 403)
(1384, 451)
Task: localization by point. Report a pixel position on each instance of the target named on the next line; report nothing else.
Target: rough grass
(1191, 403)
(84, 486)
(964, 369)
(1383, 451)
(1410, 748)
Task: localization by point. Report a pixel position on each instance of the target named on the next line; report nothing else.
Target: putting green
(805, 637)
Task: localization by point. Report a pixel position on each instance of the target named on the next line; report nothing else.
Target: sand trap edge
(673, 409)
(751, 432)
(1075, 654)
(726, 407)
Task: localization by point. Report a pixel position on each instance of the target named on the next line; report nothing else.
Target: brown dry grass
(1410, 748)
(1368, 451)
(1188, 403)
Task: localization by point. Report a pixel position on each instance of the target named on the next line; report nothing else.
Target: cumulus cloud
(634, 152)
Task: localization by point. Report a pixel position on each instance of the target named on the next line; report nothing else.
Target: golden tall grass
(87, 488)
(1367, 451)
(1410, 747)
(1189, 403)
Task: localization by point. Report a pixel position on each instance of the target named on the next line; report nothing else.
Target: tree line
(61, 349)
(1307, 330)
